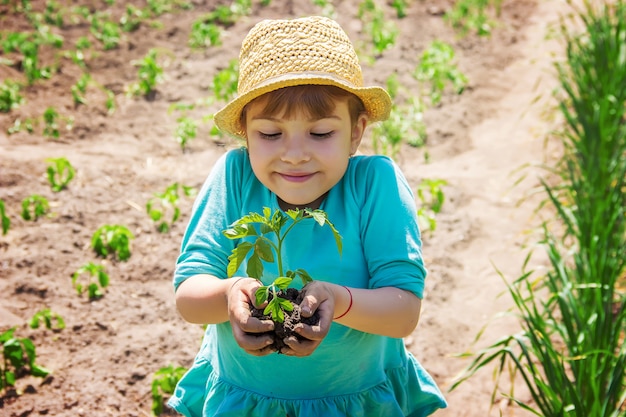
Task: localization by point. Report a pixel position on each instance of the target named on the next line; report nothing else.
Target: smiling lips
(296, 176)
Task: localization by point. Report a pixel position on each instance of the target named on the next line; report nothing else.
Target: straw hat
(284, 53)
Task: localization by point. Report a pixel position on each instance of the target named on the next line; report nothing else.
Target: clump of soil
(292, 318)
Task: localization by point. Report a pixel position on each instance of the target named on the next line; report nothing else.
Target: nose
(295, 150)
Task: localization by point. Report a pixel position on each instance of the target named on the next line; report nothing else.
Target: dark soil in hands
(292, 318)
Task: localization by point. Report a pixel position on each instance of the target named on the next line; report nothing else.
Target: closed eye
(322, 135)
(269, 136)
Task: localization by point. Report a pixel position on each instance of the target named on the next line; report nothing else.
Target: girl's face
(301, 158)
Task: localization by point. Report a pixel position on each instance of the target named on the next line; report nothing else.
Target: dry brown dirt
(102, 363)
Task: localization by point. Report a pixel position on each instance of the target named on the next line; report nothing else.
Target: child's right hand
(246, 328)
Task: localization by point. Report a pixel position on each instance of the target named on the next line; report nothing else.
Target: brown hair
(317, 101)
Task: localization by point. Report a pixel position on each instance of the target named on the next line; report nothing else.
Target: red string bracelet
(349, 305)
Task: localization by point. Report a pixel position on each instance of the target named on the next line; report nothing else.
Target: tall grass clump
(571, 352)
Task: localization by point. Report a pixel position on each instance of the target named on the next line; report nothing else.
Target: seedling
(225, 82)
(265, 249)
(405, 122)
(150, 73)
(204, 34)
(80, 89)
(51, 321)
(400, 6)
(90, 271)
(431, 195)
(51, 127)
(18, 125)
(383, 32)
(163, 207)
(112, 239)
(104, 30)
(34, 206)
(60, 173)
(6, 221)
(186, 130)
(471, 15)
(437, 68)
(164, 383)
(10, 97)
(18, 358)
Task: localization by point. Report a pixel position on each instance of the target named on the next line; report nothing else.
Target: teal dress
(351, 373)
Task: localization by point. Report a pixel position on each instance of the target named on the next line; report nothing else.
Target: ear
(357, 133)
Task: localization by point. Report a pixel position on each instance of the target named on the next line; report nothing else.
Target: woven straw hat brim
(376, 100)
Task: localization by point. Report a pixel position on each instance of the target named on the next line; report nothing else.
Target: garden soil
(488, 144)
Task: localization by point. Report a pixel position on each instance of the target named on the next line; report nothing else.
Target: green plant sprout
(112, 239)
(263, 250)
(79, 89)
(34, 206)
(164, 383)
(50, 320)
(5, 220)
(405, 122)
(224, 84)
(431, 195)
(18, 358)
(383, 33)
(400, 6)
(51, 126)
(150, 73)
(471, 15)
(60, 173)
(18, 125)
(105, 30)
(10, 97)
(186, 130)
(164, 205)
(437, 68)
(91, 270)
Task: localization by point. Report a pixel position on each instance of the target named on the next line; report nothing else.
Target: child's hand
(246, 328)
(318, 297)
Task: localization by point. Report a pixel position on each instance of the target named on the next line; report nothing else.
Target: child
(302, 111)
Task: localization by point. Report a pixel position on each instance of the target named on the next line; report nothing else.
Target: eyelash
(274, 136)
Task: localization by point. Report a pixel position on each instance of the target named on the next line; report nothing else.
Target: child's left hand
(318, 297)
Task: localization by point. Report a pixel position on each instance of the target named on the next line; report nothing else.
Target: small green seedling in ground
(60, 173)
(18, 125)
(383, 32)
(34, 206)
(204, 34)
(105, 30)
(6, 221)
(437, 68)
(163, 207)
(471, 15)
(430, 194)
(18, 358)
(266, 250)
(164, 383)
(186, 130)
(90, 271)
(10, 97)
(80, 89)
(112, 239)
(150, 73)
(51, 126)
(225, 82)
(400, 6)
(327, 8)
(50, 320)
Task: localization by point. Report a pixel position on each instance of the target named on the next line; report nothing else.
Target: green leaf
(282, 282)
(261, 295)
(285, 305)
(39, 371)
(264, 250)
(318, 215)
(255, 267)
(304, 276)
(237, 256)
(239, 231)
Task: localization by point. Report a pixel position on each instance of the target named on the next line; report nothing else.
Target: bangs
(314, 101)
